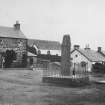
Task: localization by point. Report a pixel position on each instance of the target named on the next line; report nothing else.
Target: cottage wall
(52, 52)
(18, 45)
(78, 58)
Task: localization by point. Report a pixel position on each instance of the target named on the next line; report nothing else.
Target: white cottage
(86, 55)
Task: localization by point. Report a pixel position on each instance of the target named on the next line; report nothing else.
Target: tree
(10, 55)
(98, 68)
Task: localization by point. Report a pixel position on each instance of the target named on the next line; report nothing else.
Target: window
(76, 55)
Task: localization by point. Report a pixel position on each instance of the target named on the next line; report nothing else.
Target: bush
(98, 68)
(10, 55)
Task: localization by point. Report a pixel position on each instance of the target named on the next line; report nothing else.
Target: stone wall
(18, 45)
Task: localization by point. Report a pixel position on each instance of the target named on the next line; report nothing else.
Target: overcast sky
(84, 20)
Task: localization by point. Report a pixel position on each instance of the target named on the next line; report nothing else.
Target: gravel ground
(25, 87)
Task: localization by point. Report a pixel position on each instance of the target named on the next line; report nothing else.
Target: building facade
(12, 38)
(45, 50)
(86, 55)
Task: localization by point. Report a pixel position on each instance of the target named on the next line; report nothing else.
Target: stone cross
(65, 55)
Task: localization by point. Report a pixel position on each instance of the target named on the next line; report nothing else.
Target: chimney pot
(87, 47)
(99, 49)
(17, 25)
(76, 46)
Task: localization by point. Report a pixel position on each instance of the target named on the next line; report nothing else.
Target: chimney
(99, 49)
(87, 47)
(17, 25)
(76, 46)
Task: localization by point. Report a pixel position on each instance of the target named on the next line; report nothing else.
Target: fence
(77, 70)
(40, 66)
(80, 69)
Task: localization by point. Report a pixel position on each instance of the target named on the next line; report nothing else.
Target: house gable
(91, 55)
(80, 53)
(77, 56)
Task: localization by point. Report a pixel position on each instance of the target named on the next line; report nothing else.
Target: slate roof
(45, 44)
(11, 32)
(102, 52)
(91, 55)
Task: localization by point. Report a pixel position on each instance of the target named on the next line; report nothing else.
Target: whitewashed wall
(52, 52)
(80, 58)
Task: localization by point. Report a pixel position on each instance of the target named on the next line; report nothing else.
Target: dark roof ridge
(6, 26)
(43, 40)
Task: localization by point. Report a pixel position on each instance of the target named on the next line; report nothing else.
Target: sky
(84, 20)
